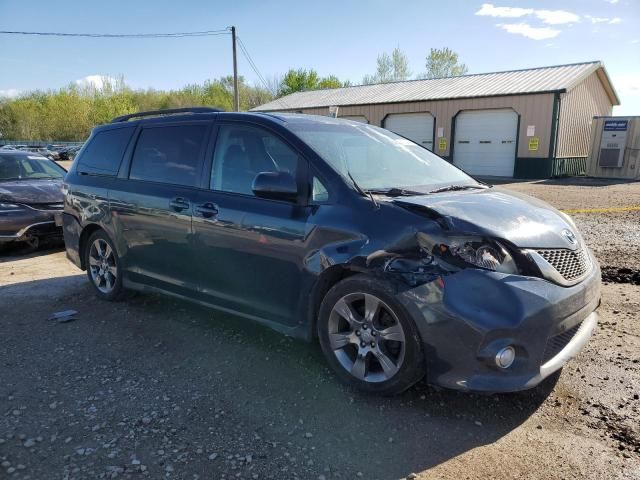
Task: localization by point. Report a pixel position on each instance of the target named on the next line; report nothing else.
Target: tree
(443, 62)
(71, 112)
(390, 68)
(300, 80)
(330, 81)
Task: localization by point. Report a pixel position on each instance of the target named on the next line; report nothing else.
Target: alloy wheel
(366, 337)
(103, 266)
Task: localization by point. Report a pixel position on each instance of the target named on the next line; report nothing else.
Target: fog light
(505, 357)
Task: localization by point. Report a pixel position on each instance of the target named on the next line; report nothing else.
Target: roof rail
(167, 111)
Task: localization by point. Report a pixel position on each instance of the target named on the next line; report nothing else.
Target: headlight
(477, 252)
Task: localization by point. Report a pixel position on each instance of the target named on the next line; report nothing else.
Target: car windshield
(378, 159)
(28, 167)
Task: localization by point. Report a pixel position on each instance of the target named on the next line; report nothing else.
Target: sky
(341, 37)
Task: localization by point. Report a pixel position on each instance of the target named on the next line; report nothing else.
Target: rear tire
(368, 337)
(103, 267)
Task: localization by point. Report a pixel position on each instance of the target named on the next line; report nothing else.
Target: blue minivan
(398, 263)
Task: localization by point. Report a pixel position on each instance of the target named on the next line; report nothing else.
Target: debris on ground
(64, 316)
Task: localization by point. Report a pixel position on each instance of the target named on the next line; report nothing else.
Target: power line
(253, 66)
(205, 33)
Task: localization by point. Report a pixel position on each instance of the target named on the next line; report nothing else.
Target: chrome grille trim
(46, 207)
(571, 264)
(561, 265)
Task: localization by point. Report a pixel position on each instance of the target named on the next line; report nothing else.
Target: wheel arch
(327, 279)
(87, 231)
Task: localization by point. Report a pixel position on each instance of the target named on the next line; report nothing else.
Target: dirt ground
(156, 388)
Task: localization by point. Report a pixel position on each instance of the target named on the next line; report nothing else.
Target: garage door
(415, 126)
(485, 142)
(356, 118)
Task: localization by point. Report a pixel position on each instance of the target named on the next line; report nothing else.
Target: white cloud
(526, 30)
(491, 10)
(612, 2)
(10, 93)
(96, 81)
(597, 19)
(550, 17)
(557, 17)
(610, 21)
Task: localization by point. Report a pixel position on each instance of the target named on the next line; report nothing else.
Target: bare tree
(390, 68)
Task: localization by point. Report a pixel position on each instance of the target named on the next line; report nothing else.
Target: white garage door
(356, 118)
(485, 142)
(415, 126)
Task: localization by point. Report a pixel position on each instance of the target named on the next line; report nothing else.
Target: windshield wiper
(395, 192)
(453, 188)
(361, 191)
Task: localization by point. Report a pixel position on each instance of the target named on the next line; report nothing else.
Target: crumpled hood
(523, 220)
(32, 191)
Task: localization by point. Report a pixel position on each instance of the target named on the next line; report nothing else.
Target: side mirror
(275, 186)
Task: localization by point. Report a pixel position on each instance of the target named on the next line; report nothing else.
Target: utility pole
(236, 93)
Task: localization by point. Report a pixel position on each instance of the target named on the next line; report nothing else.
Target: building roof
(559, 78)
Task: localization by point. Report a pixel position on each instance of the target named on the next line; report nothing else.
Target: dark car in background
(397, 262)
(30, 197)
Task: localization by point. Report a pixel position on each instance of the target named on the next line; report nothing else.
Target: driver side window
(242, 152)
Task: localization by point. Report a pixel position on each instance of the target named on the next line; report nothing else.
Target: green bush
(70, 113)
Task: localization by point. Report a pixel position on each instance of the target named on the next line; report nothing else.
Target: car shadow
(271, 384)
(21, 250)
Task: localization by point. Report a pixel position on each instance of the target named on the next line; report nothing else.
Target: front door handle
(207, 210)
(179, 204)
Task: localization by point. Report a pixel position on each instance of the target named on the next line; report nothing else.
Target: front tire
(368, 337)
(103, 267)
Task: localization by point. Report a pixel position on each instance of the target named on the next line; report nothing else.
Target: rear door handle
(179, 204)
(207, 210)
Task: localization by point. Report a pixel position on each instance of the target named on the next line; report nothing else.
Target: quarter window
(169, 154)
(103, 154)
(319, 192)
(242, 152)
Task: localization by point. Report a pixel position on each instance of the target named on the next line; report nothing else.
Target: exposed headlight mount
(476, 252)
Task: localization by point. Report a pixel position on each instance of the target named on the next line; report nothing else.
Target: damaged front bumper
(20, 226)
(466, 318)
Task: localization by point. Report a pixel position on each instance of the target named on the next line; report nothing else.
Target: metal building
(531, 123)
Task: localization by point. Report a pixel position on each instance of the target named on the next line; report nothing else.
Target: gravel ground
(156, 388)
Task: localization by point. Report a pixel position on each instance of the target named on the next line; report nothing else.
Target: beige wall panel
(533, 110)
(577, 107)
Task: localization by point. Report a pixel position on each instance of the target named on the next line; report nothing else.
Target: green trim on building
(536, 168)
(569, 167)
(532, 167)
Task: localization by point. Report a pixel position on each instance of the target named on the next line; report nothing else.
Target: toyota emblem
(570, 237)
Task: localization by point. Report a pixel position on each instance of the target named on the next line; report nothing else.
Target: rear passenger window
(103, 154)
(169, 154)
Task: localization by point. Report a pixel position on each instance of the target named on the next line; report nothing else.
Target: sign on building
(614, 139)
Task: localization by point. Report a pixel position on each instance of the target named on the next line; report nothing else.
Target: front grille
(556, 343)
(48, 206)
(571, 264)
